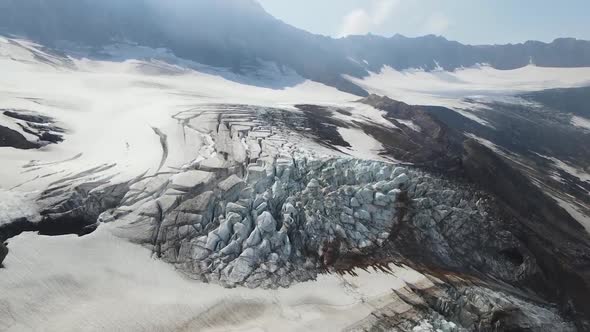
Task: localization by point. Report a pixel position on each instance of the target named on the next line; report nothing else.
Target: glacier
(214, 202)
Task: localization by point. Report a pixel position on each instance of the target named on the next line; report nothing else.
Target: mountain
(202, 166)
(238, 33)
(431, 52)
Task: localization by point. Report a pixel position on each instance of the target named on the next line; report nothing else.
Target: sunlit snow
(446, 88)
(103, 283)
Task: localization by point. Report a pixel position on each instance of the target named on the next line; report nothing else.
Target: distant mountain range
(238, 33)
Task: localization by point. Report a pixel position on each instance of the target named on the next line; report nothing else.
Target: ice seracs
(281, 214)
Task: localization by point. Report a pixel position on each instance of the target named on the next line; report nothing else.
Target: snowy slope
(109, 110)
(448, 88)
(100, 282)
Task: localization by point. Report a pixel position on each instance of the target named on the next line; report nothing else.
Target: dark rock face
(71, 212)
(3, 252)
(523, 129)
(572, 100)
(520, 131)
(11, 138)
(559, 243)
(27, 117)
(15, 227)
(535, 134)
(78, 212)
(227, 33)
(321, 123)
(434, 146)
(41, 126)
(541, 245)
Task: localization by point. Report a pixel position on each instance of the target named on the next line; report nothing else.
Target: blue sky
(468, 21)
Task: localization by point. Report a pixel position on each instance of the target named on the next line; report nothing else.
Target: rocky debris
(460, 308)
(480, 308)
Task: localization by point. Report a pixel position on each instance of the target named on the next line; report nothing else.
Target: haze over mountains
(238, 33)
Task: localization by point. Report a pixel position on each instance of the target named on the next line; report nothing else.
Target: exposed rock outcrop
(40, 129)
(3, 252)
(12, 138)
(560, 245)
(421, 138)
(78, 211)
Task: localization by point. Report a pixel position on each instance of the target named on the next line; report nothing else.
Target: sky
(467, 21)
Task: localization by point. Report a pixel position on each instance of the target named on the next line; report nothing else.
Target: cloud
(383, 9)
(437, 24)
(361, 21)
(357, 22)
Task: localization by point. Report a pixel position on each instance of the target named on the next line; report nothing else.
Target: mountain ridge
(237, 33)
